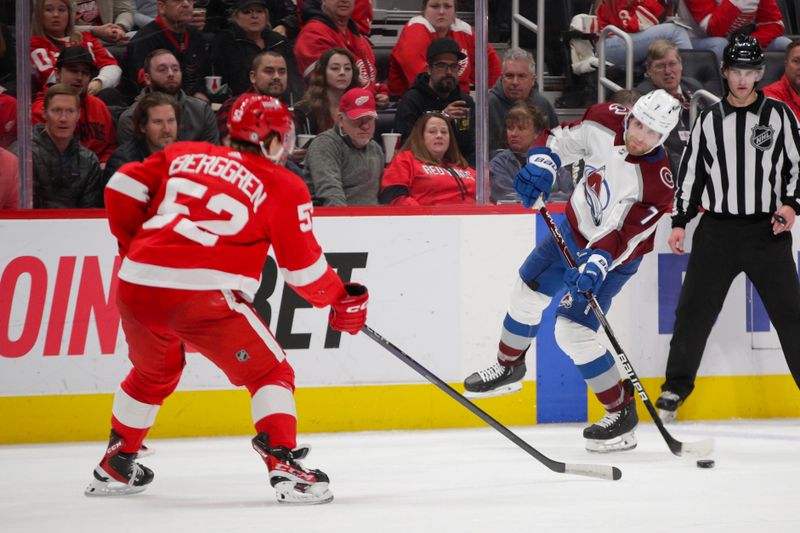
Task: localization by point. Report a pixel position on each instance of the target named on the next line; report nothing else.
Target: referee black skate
(741, 165)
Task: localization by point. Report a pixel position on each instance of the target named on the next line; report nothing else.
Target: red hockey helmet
(253, 117)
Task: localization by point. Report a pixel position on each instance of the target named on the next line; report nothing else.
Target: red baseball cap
(357, 103)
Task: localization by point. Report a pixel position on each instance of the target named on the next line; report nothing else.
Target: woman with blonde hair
(52, 30)
(429, 169)
(334, 74)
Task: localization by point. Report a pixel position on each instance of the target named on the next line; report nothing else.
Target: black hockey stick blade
(596, 471)
(701, 448)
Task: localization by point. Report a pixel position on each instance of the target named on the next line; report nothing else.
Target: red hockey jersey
(95, 127)
(721, 18)
(632, 16)
(409, 181)
(45, 52)
(202, 217)
(316, 38)
(618, 198)
(408, 57)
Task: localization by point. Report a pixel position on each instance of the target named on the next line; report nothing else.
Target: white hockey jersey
(619, 198)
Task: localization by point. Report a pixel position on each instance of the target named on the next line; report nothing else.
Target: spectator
(233, 50)
(9, 180)
(282, 13)
(8, 120)
(523, 124)
(344, 164)
(625, 97)
(8, 63)
(108, 20)
(429, 168)
(155, 126)
(332, 27)
(664, 71)
(171, 30)
(333, 75)
(517, 84)
(75, 68)
(65, 174)
(643, 20)
(363, 14)
(438, 19)
(714, 23)
(268, 76)
(162, 73)
(438, 90)
(53, 30)
(787, 89)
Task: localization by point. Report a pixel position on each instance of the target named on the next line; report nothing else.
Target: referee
(741, 166)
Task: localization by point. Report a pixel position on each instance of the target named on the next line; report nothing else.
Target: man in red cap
(344, 164)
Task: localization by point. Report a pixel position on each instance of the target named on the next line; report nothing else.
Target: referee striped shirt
(739, 161)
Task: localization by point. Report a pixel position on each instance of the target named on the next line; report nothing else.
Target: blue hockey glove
(593, 265)
(536, 177)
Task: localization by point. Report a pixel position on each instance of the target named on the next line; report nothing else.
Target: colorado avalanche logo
(666, 177)
(761, 137)
(566, 301)
(595, 190)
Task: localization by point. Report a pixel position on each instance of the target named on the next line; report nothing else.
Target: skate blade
(500, 391)
(667, 416)
(626, 441)
(97, 488)
(317, 494)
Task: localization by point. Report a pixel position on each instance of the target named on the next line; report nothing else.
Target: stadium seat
(382, 54)
(703, 66)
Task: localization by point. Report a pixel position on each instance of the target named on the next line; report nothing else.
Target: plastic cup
(390, 143)
(213, 84)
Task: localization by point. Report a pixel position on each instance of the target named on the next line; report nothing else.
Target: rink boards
(438, 284)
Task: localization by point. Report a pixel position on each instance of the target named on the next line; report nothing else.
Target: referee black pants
(721, 249)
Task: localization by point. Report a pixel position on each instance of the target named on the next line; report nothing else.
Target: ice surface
(425, 481)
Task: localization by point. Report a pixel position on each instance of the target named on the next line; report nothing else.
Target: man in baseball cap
(75, 67)
(344, 164)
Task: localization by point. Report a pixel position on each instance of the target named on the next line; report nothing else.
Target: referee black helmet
(743, 52)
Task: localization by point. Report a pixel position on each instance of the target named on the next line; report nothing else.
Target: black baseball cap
(444, 45)
(77, 55)
(241, 4)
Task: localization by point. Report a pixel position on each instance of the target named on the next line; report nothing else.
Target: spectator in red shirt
(8, 120)
(333, 27)
(429, 169)
(75, 68)
(9, 180)
(438, 19)
(333, 75)
(52, 31)
(713, 23)
(787, 89)
(363, 14)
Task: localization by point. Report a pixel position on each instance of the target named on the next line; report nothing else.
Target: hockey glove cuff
(349, 313)
(536, 177)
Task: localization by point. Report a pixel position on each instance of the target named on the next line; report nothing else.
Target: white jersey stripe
(132, 412)
(129, 187)
(308, 275)
(256, 323)
(272, 400)
(199, 279)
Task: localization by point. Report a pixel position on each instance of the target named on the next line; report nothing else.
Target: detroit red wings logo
(595, 190)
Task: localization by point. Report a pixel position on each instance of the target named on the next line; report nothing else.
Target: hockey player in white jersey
(611, 217)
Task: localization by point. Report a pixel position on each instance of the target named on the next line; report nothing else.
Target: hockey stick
(598, 471)
(700, 448)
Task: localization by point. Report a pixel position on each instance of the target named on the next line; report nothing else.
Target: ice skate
(293, 483)
(145, 451)
(667, 405)
(118, 473)
(494, 381)
(614, 432)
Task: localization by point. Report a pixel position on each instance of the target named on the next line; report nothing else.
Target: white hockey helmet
(659, 111)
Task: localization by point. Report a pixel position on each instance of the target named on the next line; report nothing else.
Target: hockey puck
(705, 463)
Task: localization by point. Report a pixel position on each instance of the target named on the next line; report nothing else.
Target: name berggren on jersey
(224, 168)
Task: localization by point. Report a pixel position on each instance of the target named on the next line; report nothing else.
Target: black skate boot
(293, 483)
(494, 381)
(615, 431)
(118, 473)
(667, 405)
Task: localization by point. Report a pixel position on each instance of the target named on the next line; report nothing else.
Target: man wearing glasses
(438, 90)
(664, 71)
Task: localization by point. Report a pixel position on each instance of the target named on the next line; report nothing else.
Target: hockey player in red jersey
(194, 224)
(625, 188)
